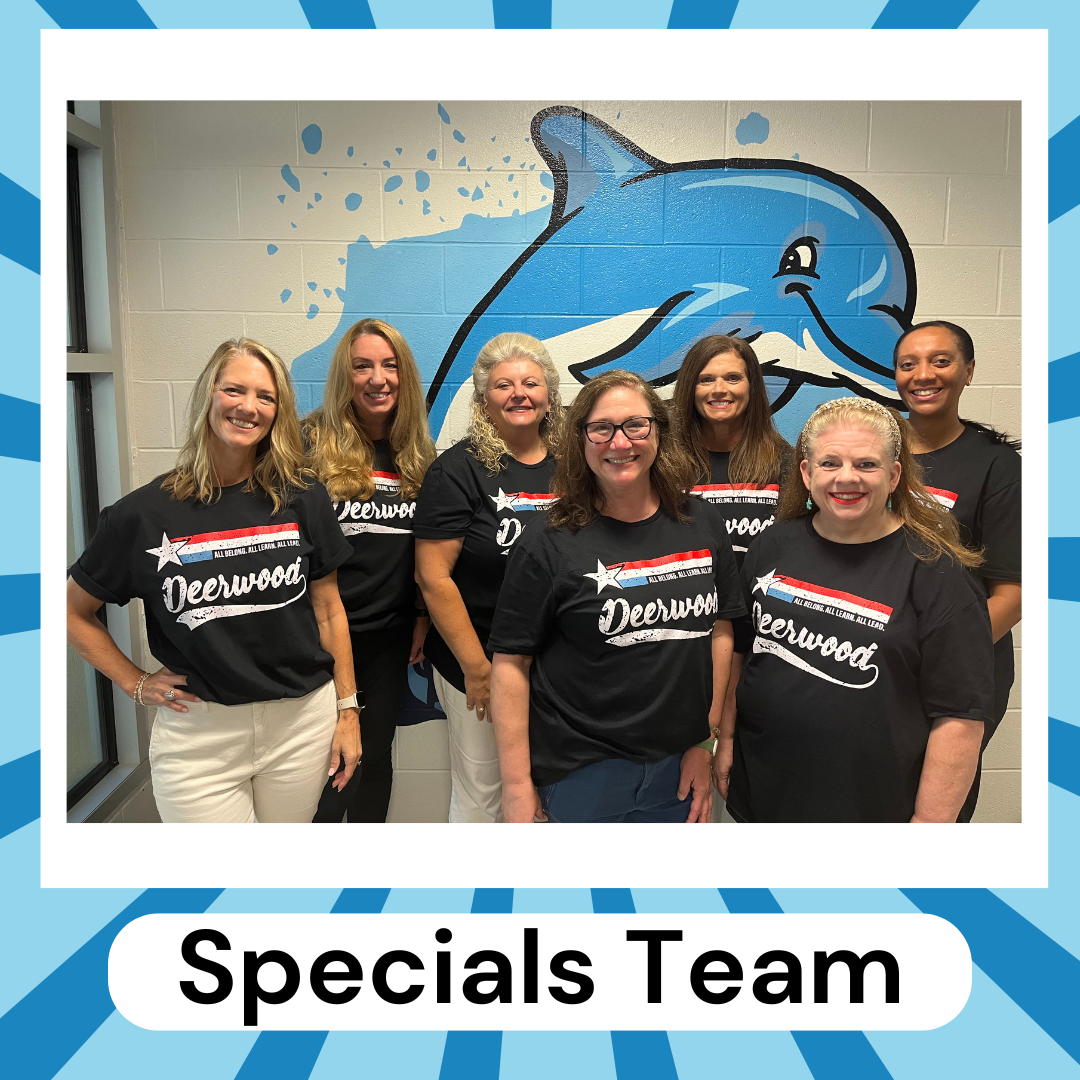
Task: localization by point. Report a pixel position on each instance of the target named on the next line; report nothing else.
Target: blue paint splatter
(486, 184)
(427, 207)
(423, 181)
(522, 165)
(312, 285)
(494, 137)
(477, 194)
(463, 191)
(431, 155)
(397, 150)
(457, 135)
(290, 178)
(506, 159)
(271, 249)
(392, 184)
(340, 294)
(444, 115)
(281, 198)
(546, 181)
(515, 194)
(386, 164)
(752, 129)
(461, 162)
(349, 151)
(318, 197)
(500, 202)
(795, 157)
(293, 224)
(532, 166)
(543, 198)
(342, 261)
(353, 201)
(401, 202)
(313, 311)
(310, 207)
(489, 168)
(510, 178)
(326, 292)
(442, 219)
(285, 294)
(325, 173)
(311, 137)
(617, 115)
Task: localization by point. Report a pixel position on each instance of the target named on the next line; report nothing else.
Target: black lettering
(219, 971)
(254, 992)
(442, 967)
(531, 935)
(856, 971)
(502, 977)
(582, 981)
(654, 938)
(791, 978)
(700, 975)
(319, 977)
(383, 965)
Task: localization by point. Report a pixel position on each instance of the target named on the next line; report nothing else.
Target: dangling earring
(809, 503)
(888, 505)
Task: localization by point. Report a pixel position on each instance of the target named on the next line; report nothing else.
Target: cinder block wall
(237, 219)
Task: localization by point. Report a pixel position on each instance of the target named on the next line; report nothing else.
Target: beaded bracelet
(138, 688)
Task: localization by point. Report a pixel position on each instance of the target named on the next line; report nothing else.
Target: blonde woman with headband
(476, 501)
(234, 554)
(869, 676)
(369, 445)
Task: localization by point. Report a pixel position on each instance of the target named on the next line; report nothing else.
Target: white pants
(476, 784)
(267, 761)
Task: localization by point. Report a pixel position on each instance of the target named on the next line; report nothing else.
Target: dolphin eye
(800, 257)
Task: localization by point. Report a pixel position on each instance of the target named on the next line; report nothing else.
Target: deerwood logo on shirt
(628, 575)
(942, 496)
(389, 483)
(369, 517)
(225, 544)
(521, 500)
(735, 494)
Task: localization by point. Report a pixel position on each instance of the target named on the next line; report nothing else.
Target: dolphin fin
(583, 152)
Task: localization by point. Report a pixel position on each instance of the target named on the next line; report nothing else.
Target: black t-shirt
(978, 481)
(857, 649)
(376, 583)
(748, 509)
(225, 585)
(460, 498)
(618, 618)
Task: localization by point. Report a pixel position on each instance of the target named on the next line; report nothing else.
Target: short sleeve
(1001, 518)
(447, 503)
(729, 593)
(956, 673)
(526, 607)
(330, 549)
(104, 568)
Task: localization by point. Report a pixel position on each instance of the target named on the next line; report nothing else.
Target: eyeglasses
(635, 429)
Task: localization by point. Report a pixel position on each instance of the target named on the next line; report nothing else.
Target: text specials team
(820, 631)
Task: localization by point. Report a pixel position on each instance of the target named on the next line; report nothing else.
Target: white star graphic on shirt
(502, 501)
(167, 552)
(605, 576)
(766, 582)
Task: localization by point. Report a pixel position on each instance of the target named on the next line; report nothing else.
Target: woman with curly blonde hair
(869, 676)
(476, 500)
(235, 555)
(613, 634)
(369, 445)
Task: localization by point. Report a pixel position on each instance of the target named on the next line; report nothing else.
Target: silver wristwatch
(353, 701)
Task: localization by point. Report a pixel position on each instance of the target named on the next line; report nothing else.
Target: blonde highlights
(279, 457)
(340, 450)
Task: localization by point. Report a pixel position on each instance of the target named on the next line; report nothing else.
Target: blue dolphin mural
(639, 258)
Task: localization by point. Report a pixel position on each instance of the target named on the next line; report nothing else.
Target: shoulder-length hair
(922, 516)
(672, 472)
(762, 453)
(279, 458)
(485, 442)
(340, 449)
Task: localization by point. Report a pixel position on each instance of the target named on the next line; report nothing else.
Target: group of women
(625, 603)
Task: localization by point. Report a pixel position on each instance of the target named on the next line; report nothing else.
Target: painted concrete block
(830, 134)
(373, 130)
(322, 270)
(176, 345)
(152, 414)
(1007, 413)
(340, 206)
(133, 128)
(290, 334)
(191, 134)
(958, 279)
(193, 203)
(917, 201)
(997, 345)
(181, 399)
(1004, 749)
(984, 210)
(493, 130)
(999, 796)
(422, 746)
(978, 404)
(146, 464)
(938, 136)
(669, 130)
(206, 276)
(1015, 130)
(1009, 292)
(142, 275)
(420, 796)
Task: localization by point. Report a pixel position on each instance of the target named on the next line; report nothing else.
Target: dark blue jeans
(618, 790)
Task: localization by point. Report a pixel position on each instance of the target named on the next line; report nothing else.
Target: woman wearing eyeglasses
(612, 636)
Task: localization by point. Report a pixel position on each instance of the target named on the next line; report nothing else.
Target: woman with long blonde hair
(869, 677)
(477, 499)
(234, 554)
(369, 445)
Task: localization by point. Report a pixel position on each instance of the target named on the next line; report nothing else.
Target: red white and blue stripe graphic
(388, 482)
(645, 571)
(522, 500)
(224, 545)
(790, 589)
(941, 495)
(736, 493)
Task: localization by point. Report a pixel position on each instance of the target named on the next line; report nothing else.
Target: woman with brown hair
(369, 445)
(869, 679)
(612, 637)
(726, 427)
(256, 655)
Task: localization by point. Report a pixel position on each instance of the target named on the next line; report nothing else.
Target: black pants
(381, 661)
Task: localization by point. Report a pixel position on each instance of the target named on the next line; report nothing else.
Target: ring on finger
(169, 695)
